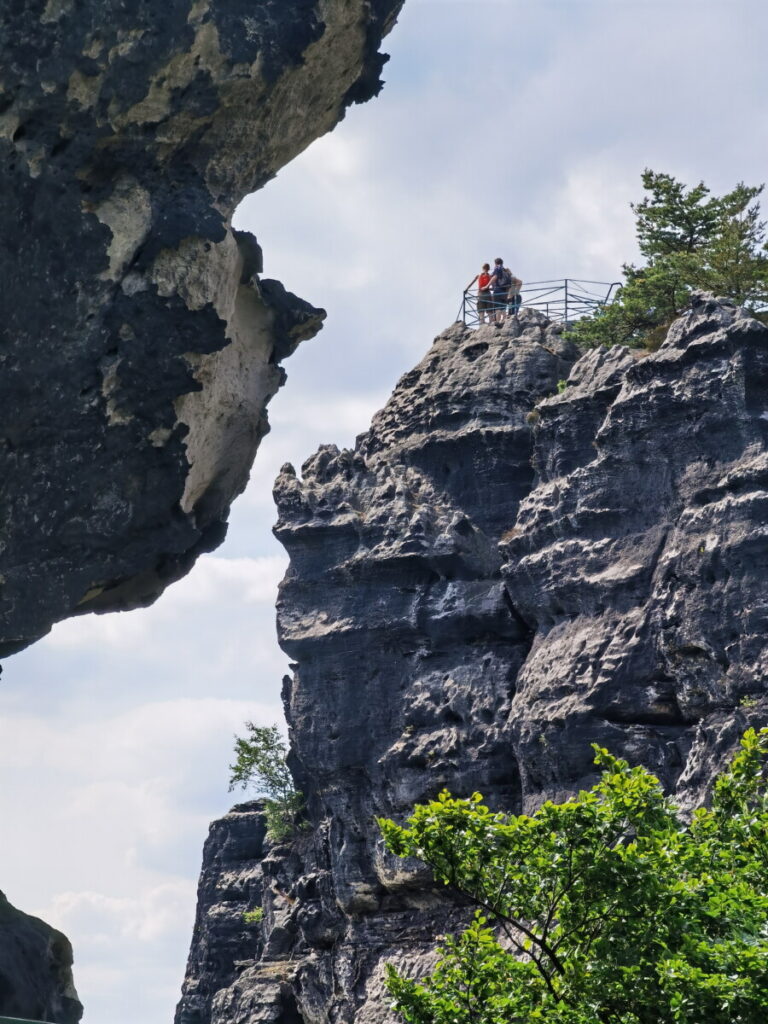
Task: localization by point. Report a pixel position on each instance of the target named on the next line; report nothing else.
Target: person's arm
(471, 282)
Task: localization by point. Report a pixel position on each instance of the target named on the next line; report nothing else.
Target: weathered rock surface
(640, 559)
(477, 592)
(138, 343)
(407, 651)
(35, 970)
(230, 885)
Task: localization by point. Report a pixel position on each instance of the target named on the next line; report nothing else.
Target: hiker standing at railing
(514, 297)
(501, 280)
(484, 302)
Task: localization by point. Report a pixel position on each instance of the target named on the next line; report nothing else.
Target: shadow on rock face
(139, 346)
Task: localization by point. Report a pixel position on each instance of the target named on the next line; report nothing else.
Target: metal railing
(19, 1020)
(563, 300)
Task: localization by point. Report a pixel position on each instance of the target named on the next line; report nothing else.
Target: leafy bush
(261, 763)
(253, 916)
(610, 908)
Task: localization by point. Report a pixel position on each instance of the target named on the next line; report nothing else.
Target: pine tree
(690, 240)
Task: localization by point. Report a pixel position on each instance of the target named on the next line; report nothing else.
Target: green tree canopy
(610, 908)
(690, 240)
(260, 763)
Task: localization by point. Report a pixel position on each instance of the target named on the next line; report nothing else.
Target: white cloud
(148, 918)
(242, 581)
(133, 780)
(127, 949)
(111, 853)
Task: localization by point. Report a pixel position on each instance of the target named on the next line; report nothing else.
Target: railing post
(566, 302)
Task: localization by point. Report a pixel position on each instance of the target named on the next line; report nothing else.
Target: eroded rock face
(407, 650)
(35, 970)
(230, 885)
(139, 344)
(489, 582)
(641, 560)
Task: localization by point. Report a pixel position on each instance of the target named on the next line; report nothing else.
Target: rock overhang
(140, 343)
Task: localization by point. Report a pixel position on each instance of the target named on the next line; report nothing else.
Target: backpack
(504, 280)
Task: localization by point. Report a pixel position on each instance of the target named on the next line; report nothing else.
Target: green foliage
(261, 762)
(606, 909)
(561, 386)
(253, 916)
(283, 816)
(689, 240)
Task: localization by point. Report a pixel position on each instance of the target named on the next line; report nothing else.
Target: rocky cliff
(502, 571)
(139, 344)
(35, 969)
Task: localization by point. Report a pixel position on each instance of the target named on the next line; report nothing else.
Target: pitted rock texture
(35, 970)
(407, 650)
(502, 572)
(139, 345)
(640, 559)
(231, 885)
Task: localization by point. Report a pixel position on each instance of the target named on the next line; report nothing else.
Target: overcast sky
(513, 129)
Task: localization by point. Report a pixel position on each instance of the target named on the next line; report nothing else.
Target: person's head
(499, 261)
(486, 267)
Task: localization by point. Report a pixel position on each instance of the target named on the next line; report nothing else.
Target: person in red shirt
(484, 301)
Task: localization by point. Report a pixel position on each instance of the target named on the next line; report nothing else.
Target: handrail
(564, 300)
(19, 1020)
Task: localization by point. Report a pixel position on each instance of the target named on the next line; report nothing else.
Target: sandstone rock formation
(640, 559)
(138, 343)
(230, 884)
(35, 970)
(500, 573)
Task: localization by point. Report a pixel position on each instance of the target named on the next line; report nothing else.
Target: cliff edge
(506, 568)
(139, 344)
(35, 969)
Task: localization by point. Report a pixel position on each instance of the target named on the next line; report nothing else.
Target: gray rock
(230, 885)
(407, 650)
(499, 574)
(139, 344)
(643, 568)
(35, 970)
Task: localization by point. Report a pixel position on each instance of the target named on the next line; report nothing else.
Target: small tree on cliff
(689, 240)
(607, 909)
(261, 762)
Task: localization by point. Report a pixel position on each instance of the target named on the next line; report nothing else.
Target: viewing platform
(564, 301)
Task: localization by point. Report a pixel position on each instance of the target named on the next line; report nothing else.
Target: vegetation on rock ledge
(261, 763)
(690, 240)
(610, 908)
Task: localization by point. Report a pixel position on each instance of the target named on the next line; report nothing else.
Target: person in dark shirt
(501, 280)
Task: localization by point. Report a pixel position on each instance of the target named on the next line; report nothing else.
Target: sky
(505, 128)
